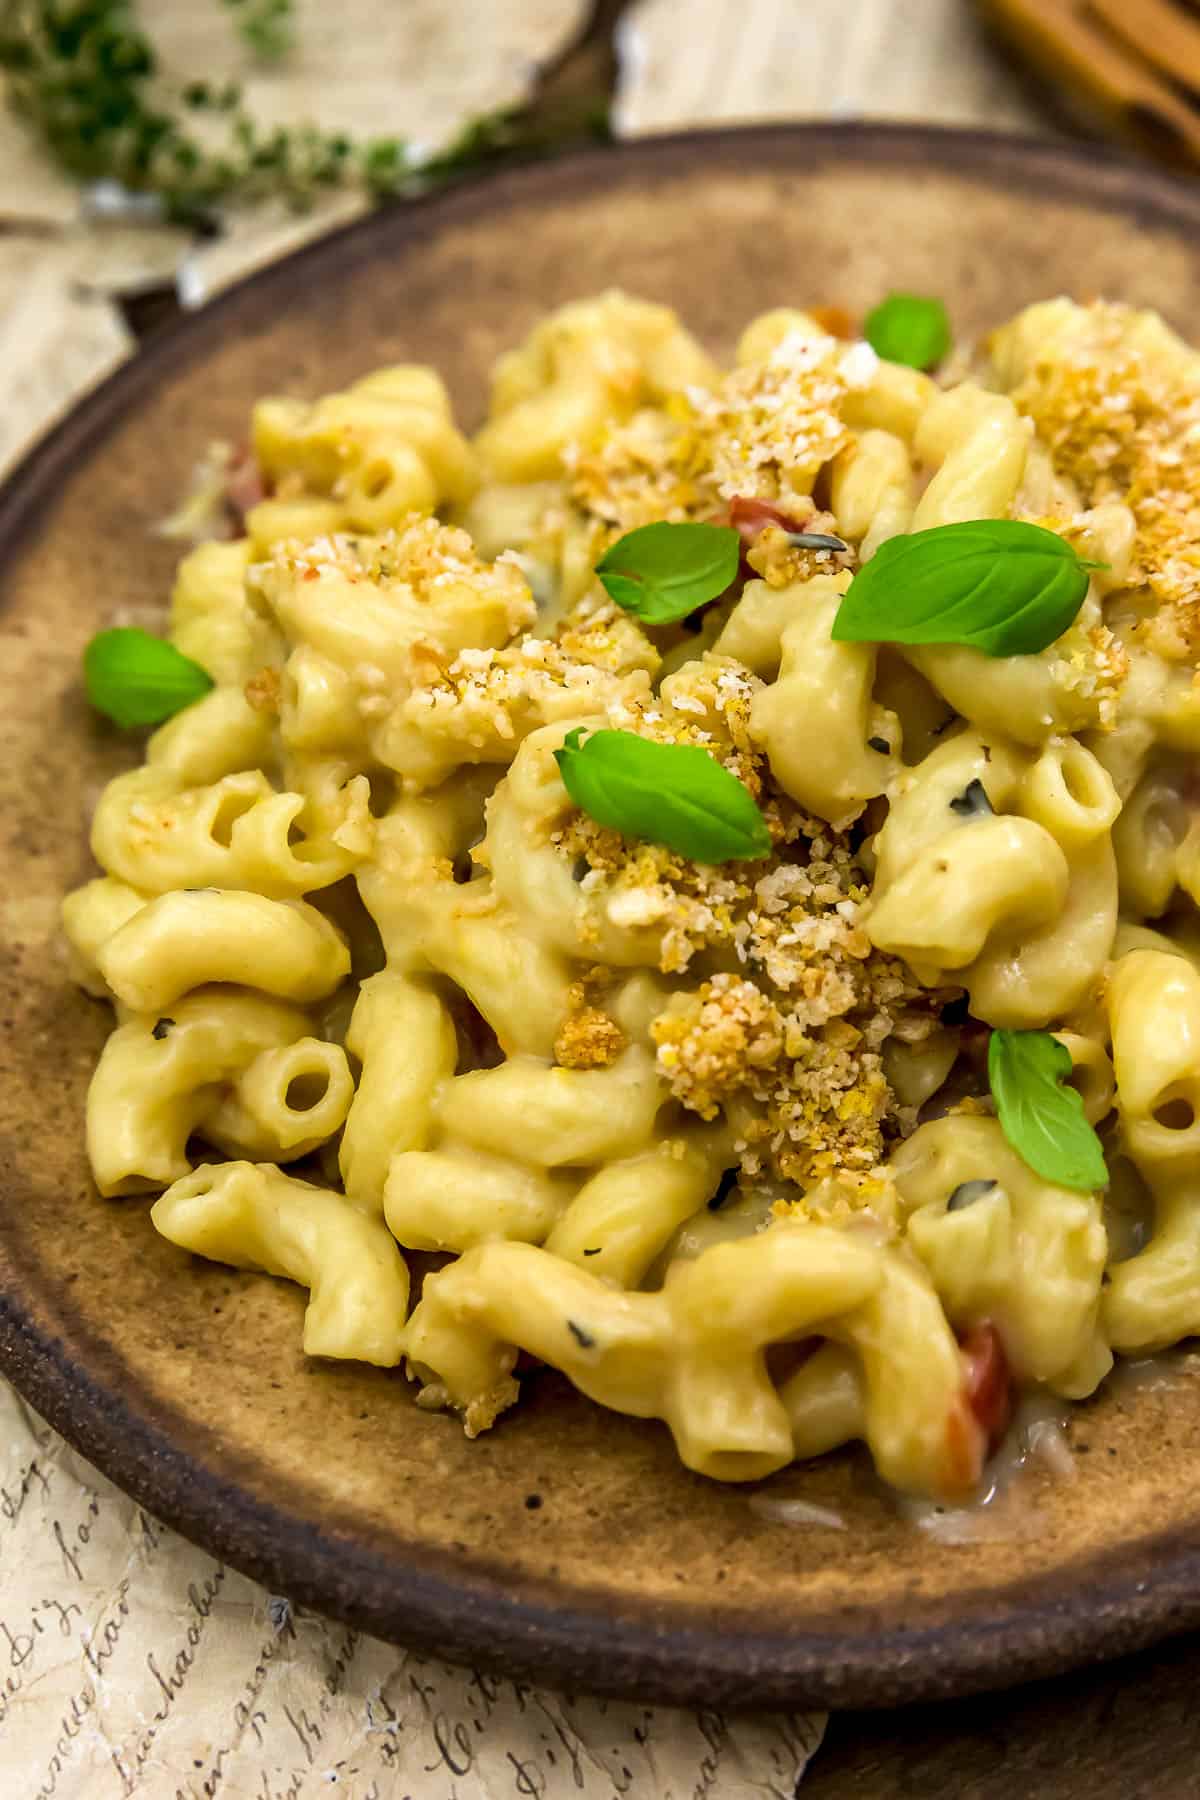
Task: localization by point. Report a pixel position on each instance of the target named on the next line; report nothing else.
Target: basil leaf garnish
(664, 571)
(672, 794)
(1041, 1118)
(136, 679)
(1002, 586)
(908, 328)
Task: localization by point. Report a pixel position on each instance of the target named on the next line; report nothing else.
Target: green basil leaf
(1041, 1118)
(908, 328)
(663, 572)
(1002, 586)
(136, 679)
(672, 794)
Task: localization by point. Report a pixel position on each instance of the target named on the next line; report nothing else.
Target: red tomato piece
(750, 516)
(833, 319)
(244, 486)
(966, 1449)
(989, 1384)
(979, 1420)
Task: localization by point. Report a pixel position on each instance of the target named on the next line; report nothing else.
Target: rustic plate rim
(1128, 1602)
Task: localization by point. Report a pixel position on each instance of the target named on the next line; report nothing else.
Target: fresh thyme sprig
(265, 26)
(86, 79)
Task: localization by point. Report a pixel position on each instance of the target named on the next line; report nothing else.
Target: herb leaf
(909, 328)
(664, 571)
(672, 794)
(1041, 1118)
(136, 679)
(266, 26)
(1002, 586)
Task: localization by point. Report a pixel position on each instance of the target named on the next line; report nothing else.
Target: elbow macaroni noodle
(711, 1141)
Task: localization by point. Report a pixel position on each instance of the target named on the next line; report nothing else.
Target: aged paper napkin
(812, 59)
(132, 1663)
(54, 341)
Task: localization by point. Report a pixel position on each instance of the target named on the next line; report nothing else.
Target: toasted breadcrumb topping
(786, 1026)
(1122, 421)
(711, 1041)
(1095, 664)
(588, 1039)
(598, 661)
(422, 556)
(764, 431)
(846, 1199)
(772, 426)
(652, 467)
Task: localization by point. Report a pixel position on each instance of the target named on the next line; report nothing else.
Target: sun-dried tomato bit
(245, 485)
(750, 516)
(989, 1382)
(966, 1450)
(981, 1415)
(833, 319)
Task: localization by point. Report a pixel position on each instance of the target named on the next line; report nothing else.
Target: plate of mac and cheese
(629, 1000)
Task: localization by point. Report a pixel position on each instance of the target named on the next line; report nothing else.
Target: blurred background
(153, 150)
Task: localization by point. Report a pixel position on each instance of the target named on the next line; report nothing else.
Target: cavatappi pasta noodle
(714, 1140)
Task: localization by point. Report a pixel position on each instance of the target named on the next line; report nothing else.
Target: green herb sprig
(909, 328)
(136, 679)
(1002, 586)
(672, 794)
(664, 571)
(1041, 1117)
(267, 27)
(86, 80)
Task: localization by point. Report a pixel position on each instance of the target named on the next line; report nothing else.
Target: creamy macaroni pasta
(714, 1139)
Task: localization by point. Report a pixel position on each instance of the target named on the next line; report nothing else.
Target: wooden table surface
(66, 284)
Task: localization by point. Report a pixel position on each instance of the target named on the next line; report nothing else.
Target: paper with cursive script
(132, 1663)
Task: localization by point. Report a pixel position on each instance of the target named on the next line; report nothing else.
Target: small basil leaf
(136, 679)
(909, 328)
(664, 571)
(1002, 586)
(672, 794)
(1041, 1118)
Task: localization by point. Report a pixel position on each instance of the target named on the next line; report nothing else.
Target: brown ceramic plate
(567, 1544)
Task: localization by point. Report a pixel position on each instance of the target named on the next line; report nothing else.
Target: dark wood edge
(469, 1613)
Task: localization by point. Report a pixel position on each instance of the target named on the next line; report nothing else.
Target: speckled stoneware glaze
(184, 1381)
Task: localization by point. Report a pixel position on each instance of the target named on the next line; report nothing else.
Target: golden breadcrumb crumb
(263, 690)
(588, 1039)
(845, 1199)
(709, 1041)
(604, 636)
(650, 468)
(481, 1413)
(1123, 422)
